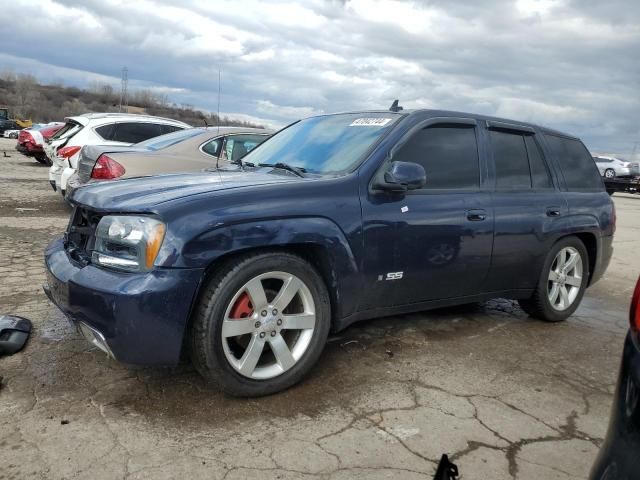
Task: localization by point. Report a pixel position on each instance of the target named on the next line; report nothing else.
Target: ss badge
(392, 276)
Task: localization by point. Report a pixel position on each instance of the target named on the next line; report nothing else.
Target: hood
(143, 193)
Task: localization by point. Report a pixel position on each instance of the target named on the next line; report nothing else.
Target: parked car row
(107, 146)
(185, 150)
(245, 267)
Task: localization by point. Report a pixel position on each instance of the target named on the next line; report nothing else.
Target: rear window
(69, 129)
(577, 165)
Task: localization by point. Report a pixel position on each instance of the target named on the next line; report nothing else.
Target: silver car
(612, 167)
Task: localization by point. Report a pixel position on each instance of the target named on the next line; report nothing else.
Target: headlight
(128, 242)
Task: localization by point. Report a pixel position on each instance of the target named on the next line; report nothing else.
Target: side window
(540, 176)
(212, 147)
(106, 131)
(449, 155)
(578, 167)
(135, 132)
(237, 146)
(510, 158)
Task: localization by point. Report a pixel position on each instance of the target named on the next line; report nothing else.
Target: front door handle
(553, 212)
(476, 215)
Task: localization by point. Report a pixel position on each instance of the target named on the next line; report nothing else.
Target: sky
(573, 65)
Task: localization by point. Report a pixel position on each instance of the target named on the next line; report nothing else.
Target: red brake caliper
(243, 307)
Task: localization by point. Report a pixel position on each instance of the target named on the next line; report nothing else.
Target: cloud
(567, 64)
(270, 109)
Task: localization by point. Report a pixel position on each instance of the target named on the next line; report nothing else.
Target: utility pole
(219, 83)
(124, 101)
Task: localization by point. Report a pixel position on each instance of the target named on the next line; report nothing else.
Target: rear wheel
(261, 324)
(562, 282)
(609, 173)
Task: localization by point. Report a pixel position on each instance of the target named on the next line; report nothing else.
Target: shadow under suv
(336, 218)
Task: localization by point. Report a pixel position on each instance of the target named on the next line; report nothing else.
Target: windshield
(164, 141)
(332, 144)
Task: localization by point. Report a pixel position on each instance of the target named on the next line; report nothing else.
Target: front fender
(321, 236)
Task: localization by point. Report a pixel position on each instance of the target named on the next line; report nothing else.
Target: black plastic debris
(446, 470)
(14, 332)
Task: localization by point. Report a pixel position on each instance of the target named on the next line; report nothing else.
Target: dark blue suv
(336, 218)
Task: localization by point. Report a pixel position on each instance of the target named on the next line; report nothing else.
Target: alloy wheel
(565, 278)
(268, 325)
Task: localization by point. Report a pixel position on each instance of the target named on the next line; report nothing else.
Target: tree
(8, 75)
(25, 91)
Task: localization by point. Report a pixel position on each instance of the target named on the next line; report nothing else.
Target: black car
(619, 457)
(334, 219)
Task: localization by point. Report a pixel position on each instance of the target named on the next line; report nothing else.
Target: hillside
(29, 99)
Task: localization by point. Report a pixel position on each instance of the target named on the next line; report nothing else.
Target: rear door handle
(553, 211)
(476, 215)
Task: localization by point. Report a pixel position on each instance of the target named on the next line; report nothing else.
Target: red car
(30, 140)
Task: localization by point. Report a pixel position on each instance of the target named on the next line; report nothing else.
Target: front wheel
(261, 324)
(562, 282)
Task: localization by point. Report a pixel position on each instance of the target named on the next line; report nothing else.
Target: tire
(43, 159)
(222, 358)
(539, 305)
(611, 192)
(609, 173)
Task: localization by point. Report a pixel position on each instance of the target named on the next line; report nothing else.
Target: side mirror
(403, 176)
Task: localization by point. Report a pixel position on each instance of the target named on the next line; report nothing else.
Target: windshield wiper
(285, 166)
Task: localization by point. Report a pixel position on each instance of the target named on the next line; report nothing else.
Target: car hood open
(142, 193)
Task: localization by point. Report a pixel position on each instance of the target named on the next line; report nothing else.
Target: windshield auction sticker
(370, 122)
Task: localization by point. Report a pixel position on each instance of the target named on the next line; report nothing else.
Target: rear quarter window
(106, 131)
(169, 129)
(576, 163)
